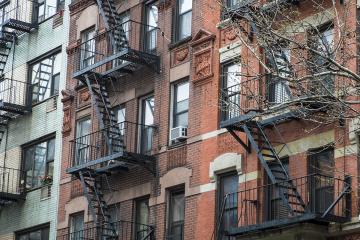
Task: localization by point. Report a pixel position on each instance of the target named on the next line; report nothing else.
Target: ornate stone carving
(203, 65)
(182, 54)
(202, 49)
(83, 97)
(228, 35)
(67, 120)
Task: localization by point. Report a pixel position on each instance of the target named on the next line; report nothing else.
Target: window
(141, 218)
(124, 20)
(176, 212)
(45, 76)
(147, 121)
(231, 4)
(120, 112)
(183, 28)
(39, 163)
(228, 184)
(231, 90)
(34, 234)
(114, 212)
(321, 163)
(77, 226)
(83, 139)
(48, 8)
(87, 56)
(278, 86)
(322, 40)
(151, 27)
(180, 104)
(276, 208)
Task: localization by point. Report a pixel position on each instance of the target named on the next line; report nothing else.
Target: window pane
(35, 235)
(185, 25)
(50, 8)
(232, 75)
(182, 106)
(152, 16)
(185, 5)
(182, 91)
(148, 111)
(181, 120)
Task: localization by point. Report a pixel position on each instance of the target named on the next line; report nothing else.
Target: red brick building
(149, 153)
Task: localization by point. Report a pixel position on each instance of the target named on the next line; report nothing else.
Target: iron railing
(12, 182)
(99, 51)
(14, 92)
(123, 137)
(125, 230)
(19, 10)
(325, 198)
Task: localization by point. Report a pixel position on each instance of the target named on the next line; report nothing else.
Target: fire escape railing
(17, 15)
(125, 230)
(326, 198)
(98, 55)
(14, 93)
(91, 150)
(12, 184)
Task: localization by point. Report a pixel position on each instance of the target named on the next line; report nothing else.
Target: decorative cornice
(79, 5)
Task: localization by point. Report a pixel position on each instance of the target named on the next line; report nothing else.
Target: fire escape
(15, 20)
(253, 210)
(114, 147)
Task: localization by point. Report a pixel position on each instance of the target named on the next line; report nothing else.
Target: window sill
(38, 188)
(45, 100)
(177, 145)
(179, 43)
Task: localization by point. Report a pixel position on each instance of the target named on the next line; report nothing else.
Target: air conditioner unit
(178, 133)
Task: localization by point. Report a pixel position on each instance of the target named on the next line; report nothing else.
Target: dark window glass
(141, 218)
(45, 76)
(228, 184)
(176, 215)
(77, 226)
(276, 207)
(231, 91)
(38, 234)
(321, 164)
(39, 163)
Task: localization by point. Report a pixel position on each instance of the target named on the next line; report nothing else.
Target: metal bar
(245, 146)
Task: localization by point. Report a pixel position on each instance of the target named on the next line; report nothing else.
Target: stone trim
(224, 163)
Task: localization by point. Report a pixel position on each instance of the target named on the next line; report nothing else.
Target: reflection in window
(151, 31)
(176, 215)
(87, 57)
(83, 141)
(39, 163)
(45, 77)
(46, 9)
(184, 19)
(147, 121)
(39, 234)
(141, 218)
(231, 91)
(77, 226)
(181, 104)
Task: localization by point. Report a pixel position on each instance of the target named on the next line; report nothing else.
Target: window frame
(85, 60)
(174, 102)
(137, 227)
(170, 193)
(52, 92)
(224, 86)
(87, 148)
(142, 127)
(60, 4)
(220, 194)
(177, 24)
(146, 30)
(27, 146)
(41, 227)
(71, 225)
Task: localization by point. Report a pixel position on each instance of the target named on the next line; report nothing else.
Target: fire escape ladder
(98, 206)
(112, 21)
(101, 102)
(274, 168)
(7, 41)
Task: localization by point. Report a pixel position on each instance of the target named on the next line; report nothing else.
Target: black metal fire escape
(124, 60)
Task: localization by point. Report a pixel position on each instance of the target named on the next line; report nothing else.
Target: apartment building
(163, 139)
(33, 41)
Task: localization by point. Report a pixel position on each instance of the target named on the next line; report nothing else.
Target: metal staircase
(97, 205)
(274, 168)
(7, 41)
